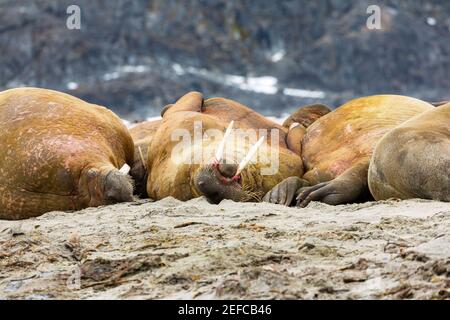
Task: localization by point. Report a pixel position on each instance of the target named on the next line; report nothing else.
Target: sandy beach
(194, 250)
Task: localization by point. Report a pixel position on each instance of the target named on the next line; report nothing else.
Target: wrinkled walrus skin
(58, 152)
(337, 148)
(413, 160)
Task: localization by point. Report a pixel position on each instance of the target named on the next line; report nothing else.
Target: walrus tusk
(249, 156)
(125, 169)
(141, 156)
(220, 149)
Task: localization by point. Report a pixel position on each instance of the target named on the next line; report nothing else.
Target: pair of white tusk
(125, 169)
(248, 157)
(221, 147)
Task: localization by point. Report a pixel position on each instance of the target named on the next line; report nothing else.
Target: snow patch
(278, 56)
(72, 85)
(153, 118)
(304, 93)
(431, 21)
(123, 70)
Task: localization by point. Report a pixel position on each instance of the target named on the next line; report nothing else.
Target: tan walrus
(338, 147)
(211, 165)
(142, 135)
(413, 160)
(60, 153)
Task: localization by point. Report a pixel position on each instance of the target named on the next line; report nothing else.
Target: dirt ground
(194, 250)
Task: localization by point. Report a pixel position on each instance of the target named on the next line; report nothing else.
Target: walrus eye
(248, 157)
(221, 147)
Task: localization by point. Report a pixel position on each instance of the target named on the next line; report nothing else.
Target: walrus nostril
(227, 170)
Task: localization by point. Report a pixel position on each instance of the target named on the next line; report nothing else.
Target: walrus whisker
(257, 196)
(221, 147)
(249, 195)
(249, 156)
(252, 195)
(125, 169)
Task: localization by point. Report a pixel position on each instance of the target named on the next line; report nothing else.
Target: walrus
(413, 160)
(142, 135)
(60, 153)
(337, 148)
(223, 137)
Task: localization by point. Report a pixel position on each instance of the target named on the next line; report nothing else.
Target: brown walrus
(413, 160)
(142, 135)
(60, 153)
(202, 167)
(337, 149)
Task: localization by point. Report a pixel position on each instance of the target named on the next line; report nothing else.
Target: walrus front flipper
(346, 188)
(307, 115)
(192, 101)
(285, 192)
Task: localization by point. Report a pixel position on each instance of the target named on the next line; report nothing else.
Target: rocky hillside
(136, 56)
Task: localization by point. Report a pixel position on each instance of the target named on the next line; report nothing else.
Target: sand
(194, 250)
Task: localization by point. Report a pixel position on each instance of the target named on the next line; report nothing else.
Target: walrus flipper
(307, 115)
(286, 191)
(167, 107)
(346, 188)
(192, 101)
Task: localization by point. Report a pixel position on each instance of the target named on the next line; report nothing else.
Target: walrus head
(107, 185)
(224, 178)
(219, 149)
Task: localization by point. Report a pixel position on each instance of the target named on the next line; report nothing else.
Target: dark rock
(177, 46)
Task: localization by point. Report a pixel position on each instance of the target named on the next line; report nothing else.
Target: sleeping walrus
(413, 160)
(190, 156)
(338, 148)
(58, 152)
(142, 135)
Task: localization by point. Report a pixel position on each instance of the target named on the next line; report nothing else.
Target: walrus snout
(107, 185)
(218, 182)
(227, 170)
(118, 188)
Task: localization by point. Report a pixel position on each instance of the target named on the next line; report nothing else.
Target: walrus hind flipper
(346, 188)
(307, 115)
(192, 101)
(285, 192)
(167, 107)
